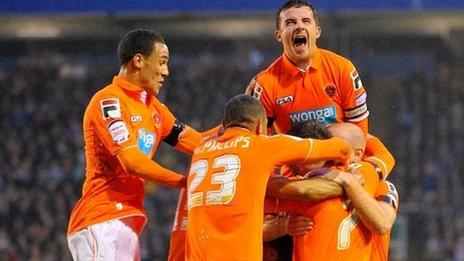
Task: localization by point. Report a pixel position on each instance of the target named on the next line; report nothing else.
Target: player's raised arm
(307, 150)
(375, 216)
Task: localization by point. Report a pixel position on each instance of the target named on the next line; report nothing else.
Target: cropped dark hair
(296, 4)
(309, 129)
(242, 110)
(137, 41)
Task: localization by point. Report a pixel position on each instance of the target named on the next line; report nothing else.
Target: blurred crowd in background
(418, 113)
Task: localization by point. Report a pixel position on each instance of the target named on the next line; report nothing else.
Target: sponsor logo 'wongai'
(323, 115)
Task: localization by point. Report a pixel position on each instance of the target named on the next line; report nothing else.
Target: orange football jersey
(338, 233)
(330, 90)
(120, 116)
(226, 188)
(179, 230)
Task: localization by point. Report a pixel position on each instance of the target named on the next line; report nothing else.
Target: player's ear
(278, 35)
(318, 31)
(258, 127)
(261, 126)
(359, 153)
(138, 60)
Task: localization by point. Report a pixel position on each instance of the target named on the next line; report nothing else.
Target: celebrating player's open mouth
(299, 43)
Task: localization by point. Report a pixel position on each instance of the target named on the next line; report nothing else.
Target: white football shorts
(110, 240)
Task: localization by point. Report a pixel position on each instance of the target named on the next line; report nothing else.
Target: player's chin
(155, 90)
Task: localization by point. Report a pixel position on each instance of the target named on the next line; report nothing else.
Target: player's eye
(290, 22)
(307, 21)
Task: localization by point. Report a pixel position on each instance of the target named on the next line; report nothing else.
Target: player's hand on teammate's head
(330, 174)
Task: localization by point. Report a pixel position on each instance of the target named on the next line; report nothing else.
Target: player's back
(226, 189)
(338, 234)
(227, 182)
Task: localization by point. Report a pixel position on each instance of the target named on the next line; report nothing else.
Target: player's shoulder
(272, 71)
(109, 91)
(333, 57)
(106, 98)
(279, 138)
(387, 192)
(363, 165)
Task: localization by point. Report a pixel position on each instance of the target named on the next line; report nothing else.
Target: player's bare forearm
(371, 213)
(308, 190)
(136, 163)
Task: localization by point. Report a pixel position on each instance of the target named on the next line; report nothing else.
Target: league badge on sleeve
(119, 132)
(110, 108)
(356, 79)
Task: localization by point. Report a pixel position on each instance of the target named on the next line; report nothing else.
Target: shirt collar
(135, 90)
(316, 62)
(123, 83)
(293, 69)
(236, 130)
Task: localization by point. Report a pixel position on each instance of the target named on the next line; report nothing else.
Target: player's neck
(302, 64)
(129, 75)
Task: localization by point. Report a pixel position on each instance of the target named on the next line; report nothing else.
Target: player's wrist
(340, 178)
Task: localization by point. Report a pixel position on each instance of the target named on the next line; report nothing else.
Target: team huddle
(291, 156)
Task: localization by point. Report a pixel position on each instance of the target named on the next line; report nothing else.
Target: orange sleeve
(137, 164)
(335, 149)
(111, 125)
(370, 176)
(378, 154)
(189, 138)
(178, 234)
(382, 189)
(261, 92)
(386, 191)
(354, 96)
(285, 149)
